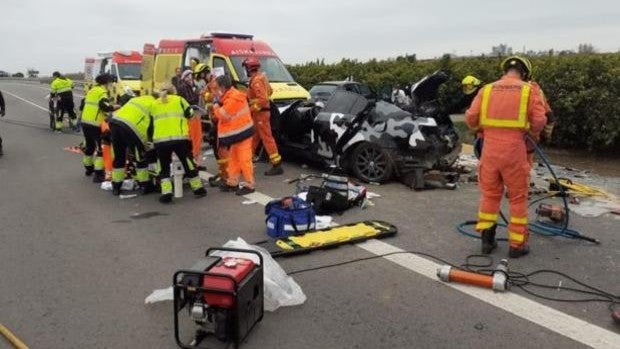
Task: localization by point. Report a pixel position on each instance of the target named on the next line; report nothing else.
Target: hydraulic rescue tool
(555, 213)
(223, 297)
(497, 281)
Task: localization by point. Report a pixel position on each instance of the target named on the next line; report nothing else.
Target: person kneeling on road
(234, 131)
(169, 114)
(129, 128)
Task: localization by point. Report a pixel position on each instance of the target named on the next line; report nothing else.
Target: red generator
(223, 297)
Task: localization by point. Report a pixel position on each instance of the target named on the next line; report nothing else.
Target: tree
(18, 75)
(586, 48)
(32, 73)
(501, 50)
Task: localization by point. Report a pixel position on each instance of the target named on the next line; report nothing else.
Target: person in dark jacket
(2, 112)
(186, 88)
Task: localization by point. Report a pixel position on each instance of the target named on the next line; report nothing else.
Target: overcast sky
(57, 35)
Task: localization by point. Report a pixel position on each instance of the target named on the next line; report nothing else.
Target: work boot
(116, 188)
(275, 170)
(514, 252)
(244, 191)
(165, 198)
(214, 181)
(228, 188)
(488, 240)
(200, 192)
(146, 188)
(99, 177)
(88, 170)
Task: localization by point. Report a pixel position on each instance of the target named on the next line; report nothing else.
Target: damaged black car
(374, 141)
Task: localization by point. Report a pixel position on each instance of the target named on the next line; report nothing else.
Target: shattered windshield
(272, 66)
(129, 71)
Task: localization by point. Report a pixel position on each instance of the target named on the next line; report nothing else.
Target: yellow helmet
(470, 83)
(514, 61)
(201, 67)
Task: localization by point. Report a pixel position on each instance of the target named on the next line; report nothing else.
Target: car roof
(338, 83)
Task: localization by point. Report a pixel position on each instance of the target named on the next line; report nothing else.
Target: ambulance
(123, 65)
(222, 51)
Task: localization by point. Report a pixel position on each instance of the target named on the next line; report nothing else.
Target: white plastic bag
(164, 294)
(279, 288)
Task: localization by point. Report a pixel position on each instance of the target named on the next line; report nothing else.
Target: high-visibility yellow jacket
(92, 113)
(169, 119)
(60, 85)
(135, 115)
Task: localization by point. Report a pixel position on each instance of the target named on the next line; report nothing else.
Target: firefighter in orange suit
(235, 129)
(259, 92)
(506, 111)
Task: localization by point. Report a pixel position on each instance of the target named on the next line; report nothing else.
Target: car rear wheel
(371, 163)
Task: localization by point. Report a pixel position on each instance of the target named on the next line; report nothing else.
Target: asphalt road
(75, 264)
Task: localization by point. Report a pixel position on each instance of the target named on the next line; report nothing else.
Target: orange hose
(470, 278)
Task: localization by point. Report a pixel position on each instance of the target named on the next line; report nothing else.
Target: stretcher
(328, 238)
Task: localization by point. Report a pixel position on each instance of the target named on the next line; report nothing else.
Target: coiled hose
(540, 228)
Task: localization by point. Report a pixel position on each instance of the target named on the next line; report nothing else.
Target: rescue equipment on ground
(543, 228)
(223, 297)
(289, 216)
(336, 194)
(555, 213)
(328, 238)
(498, 280)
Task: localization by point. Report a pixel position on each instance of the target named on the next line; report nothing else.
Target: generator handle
(228, 249)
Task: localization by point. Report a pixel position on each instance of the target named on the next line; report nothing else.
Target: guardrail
(79, 85)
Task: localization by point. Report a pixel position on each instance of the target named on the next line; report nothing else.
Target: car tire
(371, 163)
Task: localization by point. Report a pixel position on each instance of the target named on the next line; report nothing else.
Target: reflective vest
(499, 107)
(135, 115)
(169, 122)
(234, 120)
(92, 115)
(61, 85)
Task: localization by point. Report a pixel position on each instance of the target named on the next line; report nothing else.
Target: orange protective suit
(538, 90)
(195, 134)
(106, 149)
(258, 94)
(235, 131)
(505, 111)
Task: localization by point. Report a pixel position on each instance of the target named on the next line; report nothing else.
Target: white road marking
(41, 88)
(523, 307)
(550, 318)
(26, 101)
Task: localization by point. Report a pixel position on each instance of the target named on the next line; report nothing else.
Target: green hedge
(583, 89)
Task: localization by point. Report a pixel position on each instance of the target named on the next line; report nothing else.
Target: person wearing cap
(259, 92)
(235, 129)
(62, 87)
(506, 111)
(169, 114)
(96, 105)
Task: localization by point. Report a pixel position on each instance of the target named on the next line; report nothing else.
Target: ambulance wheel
(371, 163)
